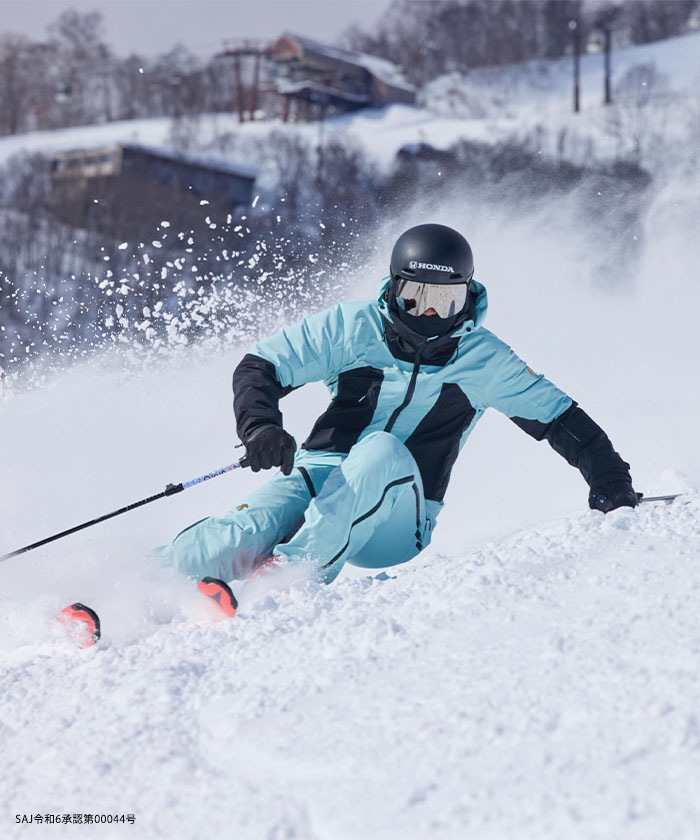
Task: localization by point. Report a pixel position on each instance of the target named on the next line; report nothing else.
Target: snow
(389, 129)
(538, 84)
(489, 104)
(534, 673)
(535, 98)
(517, 689)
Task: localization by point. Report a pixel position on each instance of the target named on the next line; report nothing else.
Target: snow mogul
(410, 374)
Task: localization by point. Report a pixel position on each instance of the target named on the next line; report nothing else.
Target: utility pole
(607, 32)
(576, 33)
(239, 86)
(104, 73)
(322, 101)
(253, 94)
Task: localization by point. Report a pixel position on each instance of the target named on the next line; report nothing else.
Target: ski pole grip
(171, 489)
(244, 462)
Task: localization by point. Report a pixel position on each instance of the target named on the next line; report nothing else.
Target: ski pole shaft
(170, 490)
(660, 498)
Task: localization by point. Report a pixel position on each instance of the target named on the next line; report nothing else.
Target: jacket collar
(408, 346)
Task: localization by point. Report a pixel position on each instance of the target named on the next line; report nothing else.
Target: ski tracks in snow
(544, 686)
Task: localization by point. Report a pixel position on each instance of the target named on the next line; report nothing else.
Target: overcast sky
(149, 27)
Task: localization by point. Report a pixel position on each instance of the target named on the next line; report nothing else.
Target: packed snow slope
(545, 686)
(535, 673)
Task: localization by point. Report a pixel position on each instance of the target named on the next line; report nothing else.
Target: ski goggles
(447, 299)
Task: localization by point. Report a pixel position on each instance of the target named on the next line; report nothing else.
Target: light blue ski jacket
(397, 403)
(376, 385)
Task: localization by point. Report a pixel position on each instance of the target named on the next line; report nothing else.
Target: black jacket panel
(581, 441)
(435, 442)
(256, 395)
(339, 427)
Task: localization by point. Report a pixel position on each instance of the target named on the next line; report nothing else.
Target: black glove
(613, 496)
(270, 446)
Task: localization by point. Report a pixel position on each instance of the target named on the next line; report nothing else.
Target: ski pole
(170, 490)
(660, 498)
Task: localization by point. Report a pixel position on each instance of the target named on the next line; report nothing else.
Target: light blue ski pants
(365, 508)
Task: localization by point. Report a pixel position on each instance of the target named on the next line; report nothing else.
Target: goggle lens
(447, 299)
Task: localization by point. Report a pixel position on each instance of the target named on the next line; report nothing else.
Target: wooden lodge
(314, 80)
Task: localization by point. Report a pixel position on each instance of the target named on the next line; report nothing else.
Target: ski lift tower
(246, 56)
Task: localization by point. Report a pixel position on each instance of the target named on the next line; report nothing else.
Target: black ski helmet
(432, 254)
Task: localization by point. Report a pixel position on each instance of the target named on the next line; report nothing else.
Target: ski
(219, 593)
(81, 623)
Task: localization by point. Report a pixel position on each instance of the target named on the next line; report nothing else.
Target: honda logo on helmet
(413, 265)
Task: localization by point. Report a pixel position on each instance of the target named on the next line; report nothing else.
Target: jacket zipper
(409, 393)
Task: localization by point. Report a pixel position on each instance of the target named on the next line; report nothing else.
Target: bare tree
(347, 185)
(15, 83)
(652, 20)
(433, 37)
(82, 67)
(175, 84)
(634, 121)
(291, 165)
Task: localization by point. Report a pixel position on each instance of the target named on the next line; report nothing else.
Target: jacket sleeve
(581, 441)
(545, 412)
(308, 351)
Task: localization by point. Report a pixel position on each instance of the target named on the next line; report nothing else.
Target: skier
(410, 374)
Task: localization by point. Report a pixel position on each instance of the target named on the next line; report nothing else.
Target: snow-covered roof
(218, 164)
(382, 69)
(330, 92)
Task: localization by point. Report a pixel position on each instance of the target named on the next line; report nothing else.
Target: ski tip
(220, 594)
(81, 623)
